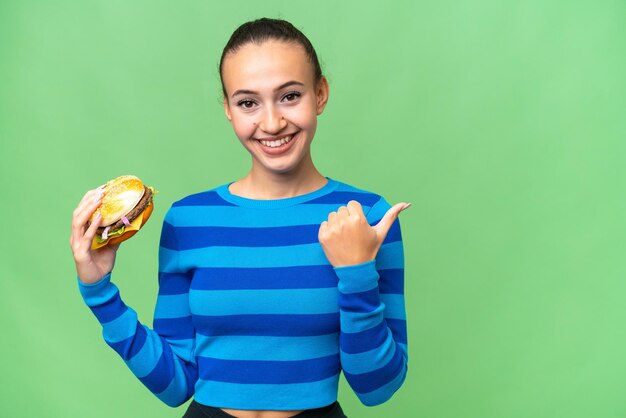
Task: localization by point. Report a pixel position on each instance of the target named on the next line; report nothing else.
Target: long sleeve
(163, 357)
(373, 338)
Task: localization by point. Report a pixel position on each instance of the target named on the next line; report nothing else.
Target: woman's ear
(322, 94)
(227, 110)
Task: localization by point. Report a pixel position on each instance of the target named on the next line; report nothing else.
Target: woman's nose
(272, 121)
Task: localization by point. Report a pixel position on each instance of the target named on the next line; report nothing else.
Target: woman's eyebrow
(282, 86)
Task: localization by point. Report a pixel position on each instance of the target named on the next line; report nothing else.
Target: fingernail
(406, 206)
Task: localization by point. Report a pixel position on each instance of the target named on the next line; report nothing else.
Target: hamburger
(125, 208)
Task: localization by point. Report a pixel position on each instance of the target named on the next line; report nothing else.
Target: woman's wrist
(94, 283)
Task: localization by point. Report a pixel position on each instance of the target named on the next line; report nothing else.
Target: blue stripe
(168, 261)
(272, 325)
(391, 280)
(243, 217)
(173, 283)
(390, 256)
(370, 360)
(264, 396)
(360, 302)
(357, 278)
(367, 382)
(268, 372)
(367, 340)
(382, 394)
(269, 301)
(378, 210)
(398, 329)
(191, 376)
(404, 348)
(210, 197)
(129, 347)
(344, 187)
(353, 323)
(143, 362)
(393, 234)
(175, 328)
(394, 306)
(307, 254)
(244, 347)
(172, 306)
(205, 236)
(99, 292)
(179, 389)
(296, 277)
(121, 328)
(342, 198)
(159, 378)
(183, 348)
(109, 310)
(168, 236)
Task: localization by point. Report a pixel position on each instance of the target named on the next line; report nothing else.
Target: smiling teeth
(278, 142)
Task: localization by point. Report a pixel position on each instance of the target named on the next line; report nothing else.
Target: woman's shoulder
(374, 205)
(358, 192)
(194, 206)
(210, 197)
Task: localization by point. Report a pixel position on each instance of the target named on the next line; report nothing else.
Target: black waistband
(197, 410)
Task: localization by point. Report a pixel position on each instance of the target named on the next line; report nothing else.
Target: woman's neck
(263, 185)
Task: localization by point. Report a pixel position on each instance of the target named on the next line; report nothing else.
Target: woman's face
(273, 103)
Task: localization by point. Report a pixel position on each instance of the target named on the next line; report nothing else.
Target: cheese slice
(134, 226)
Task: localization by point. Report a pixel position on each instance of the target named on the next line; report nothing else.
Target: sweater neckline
(275, 203)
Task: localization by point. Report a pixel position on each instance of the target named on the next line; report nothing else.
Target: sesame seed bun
(126, 206)
(121, 195)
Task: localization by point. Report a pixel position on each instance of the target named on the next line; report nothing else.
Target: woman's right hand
(91, 265)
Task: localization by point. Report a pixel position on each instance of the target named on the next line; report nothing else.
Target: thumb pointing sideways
(383, 226)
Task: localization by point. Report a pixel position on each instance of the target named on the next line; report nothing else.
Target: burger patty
(147, 197)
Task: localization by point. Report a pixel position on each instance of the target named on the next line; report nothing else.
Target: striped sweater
(251, 315)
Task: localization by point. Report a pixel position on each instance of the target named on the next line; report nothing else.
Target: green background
(502, 122)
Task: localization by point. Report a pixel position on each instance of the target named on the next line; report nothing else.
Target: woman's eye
(246, 104)
(290, 97)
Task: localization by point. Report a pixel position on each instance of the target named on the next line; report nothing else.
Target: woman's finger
(91, 231)
(87, 198)
(355, 208)
(321, 233)
(83, 246)
(82, 215)
(383, 226)
(343, 212)
(78, 221)
(84, 211)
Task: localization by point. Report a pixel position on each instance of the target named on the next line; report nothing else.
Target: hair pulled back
(266, 29)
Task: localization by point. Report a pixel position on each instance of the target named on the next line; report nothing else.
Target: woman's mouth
(278, 146)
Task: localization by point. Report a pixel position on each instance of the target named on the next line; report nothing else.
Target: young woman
(272, 285)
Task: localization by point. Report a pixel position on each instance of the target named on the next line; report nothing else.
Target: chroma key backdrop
(502, 122)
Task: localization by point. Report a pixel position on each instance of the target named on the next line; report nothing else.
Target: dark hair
(265, 29)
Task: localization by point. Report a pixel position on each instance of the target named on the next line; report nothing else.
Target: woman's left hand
(348, 239)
